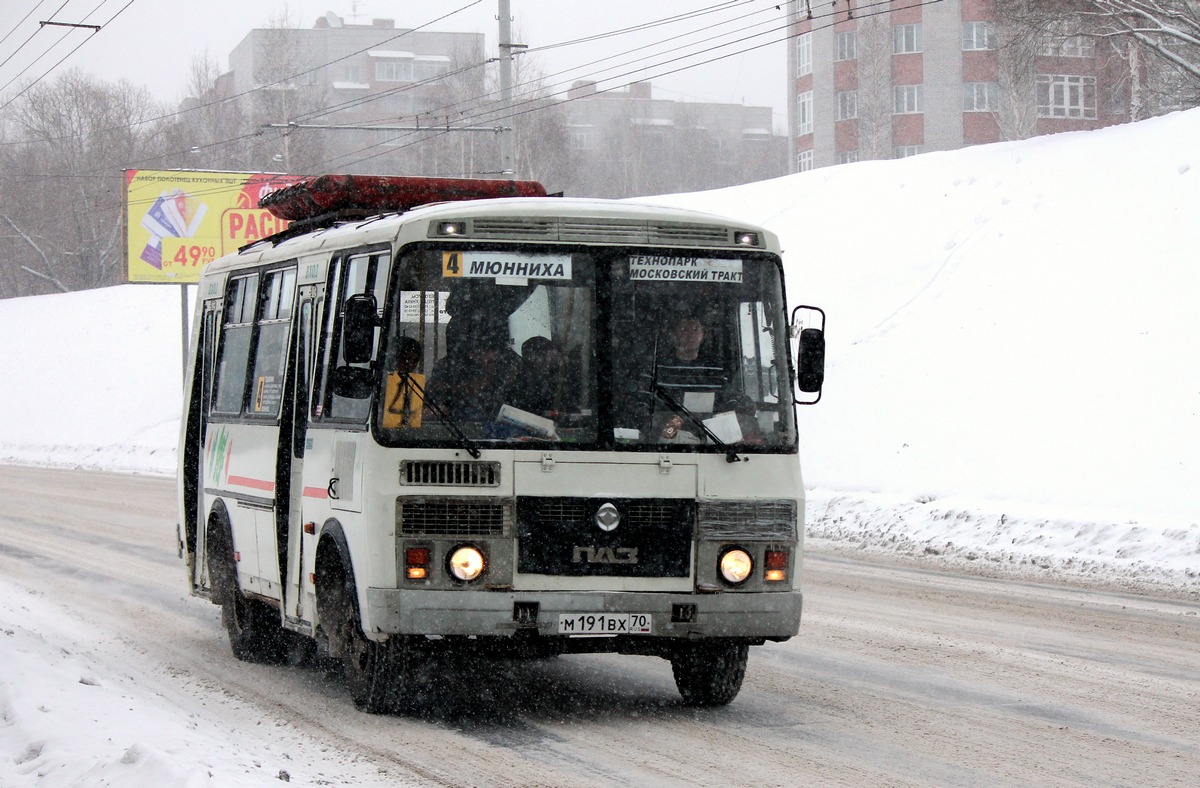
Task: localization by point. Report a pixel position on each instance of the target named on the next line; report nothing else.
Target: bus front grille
(560, 536)
(758, 520)
(451, 517)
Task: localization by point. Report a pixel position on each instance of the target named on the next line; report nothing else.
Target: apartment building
(882, 80)
(366, 70)
(628, 143)
(343, 74)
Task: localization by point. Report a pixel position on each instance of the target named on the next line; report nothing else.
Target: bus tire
(374, 671)
(709, 674)
(255, 631)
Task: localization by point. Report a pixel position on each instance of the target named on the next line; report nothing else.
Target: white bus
(527, 426)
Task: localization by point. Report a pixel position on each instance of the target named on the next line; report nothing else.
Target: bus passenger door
(294, 512)
(245, 464)
(196, 514)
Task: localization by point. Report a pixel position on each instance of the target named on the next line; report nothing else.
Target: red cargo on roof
(371, 194)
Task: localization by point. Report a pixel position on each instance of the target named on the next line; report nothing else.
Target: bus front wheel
(374, 671)
(709, 674)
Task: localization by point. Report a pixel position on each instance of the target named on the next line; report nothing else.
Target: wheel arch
(332, 564)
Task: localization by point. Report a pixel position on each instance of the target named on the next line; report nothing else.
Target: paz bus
(445, 415)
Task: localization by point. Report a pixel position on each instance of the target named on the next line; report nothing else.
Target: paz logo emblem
(607, 517)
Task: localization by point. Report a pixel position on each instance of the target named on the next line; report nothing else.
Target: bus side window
(241, 298)
(270, 354)
(348, 276)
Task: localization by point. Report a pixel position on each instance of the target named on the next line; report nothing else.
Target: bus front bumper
(771, 615)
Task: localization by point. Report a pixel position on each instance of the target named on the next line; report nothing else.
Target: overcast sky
(152, 42)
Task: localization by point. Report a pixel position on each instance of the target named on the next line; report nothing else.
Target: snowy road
(899, 676)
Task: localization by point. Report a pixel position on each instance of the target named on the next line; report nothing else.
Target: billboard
(179, 221)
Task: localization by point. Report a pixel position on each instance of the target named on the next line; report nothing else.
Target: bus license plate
(604, 623)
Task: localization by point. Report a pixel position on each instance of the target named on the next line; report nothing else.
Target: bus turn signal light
(416, 563)
(775, 563)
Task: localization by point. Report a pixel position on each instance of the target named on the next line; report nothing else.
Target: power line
(64, 57)
(483, 118)
(31, 35)
(541, 103)
(282, 81)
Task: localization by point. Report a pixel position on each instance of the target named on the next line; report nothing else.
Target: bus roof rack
(331, 197)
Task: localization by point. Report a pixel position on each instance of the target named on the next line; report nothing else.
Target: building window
(430, 69)
(847, 45)
(804, 161)
(804, 113)
(904, 151)
(978, 35)
(981, 96)
(1054, 45)
(847, 157)
(1066, 96)
(582, 137)
(354, 74)
(906, 39)
(394, 71)
(847, 104)
(804, 55)
(908, 99)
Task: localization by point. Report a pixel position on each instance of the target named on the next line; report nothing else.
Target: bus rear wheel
(255, 632)
(709, 674)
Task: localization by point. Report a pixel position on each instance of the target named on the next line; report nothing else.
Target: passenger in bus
(408, 355)
(479, 372)
(540, 388)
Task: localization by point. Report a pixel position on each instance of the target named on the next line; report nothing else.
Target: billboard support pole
(183, 312)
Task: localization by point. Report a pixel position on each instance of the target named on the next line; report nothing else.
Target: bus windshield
(595, 348)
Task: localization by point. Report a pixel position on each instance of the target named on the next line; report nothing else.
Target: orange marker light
(416, 563)
(775, 563)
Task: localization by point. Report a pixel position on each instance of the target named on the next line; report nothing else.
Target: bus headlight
(736, 565)
(466, 563)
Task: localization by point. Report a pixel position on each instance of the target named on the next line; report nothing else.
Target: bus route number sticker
(505, 265)
(604, 623)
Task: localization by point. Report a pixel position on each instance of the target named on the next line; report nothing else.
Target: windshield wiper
(444, 417)
(673, 404)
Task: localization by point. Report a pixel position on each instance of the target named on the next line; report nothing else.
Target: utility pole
(506, 91)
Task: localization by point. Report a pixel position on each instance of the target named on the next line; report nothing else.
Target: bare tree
(874, 99)
(1168, 29)
(1158, 40)
(210, 126)
(1020, 44)
(61, 170)
(541, 148)
(287, 86)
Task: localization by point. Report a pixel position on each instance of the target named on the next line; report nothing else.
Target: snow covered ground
(1013, 379)
(1013, 384)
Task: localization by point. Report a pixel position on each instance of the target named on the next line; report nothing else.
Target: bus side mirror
(358, 329)
(810, 356)
(810, 360)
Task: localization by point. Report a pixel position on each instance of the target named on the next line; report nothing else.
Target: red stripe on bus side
(257, 484)
(316, 492)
